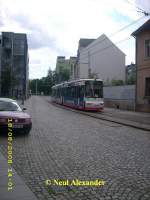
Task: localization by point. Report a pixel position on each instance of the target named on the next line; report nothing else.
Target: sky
(54, 28)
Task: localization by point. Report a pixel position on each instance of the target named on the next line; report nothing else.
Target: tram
(83, 94)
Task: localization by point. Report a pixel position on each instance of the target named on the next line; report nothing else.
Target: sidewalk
(139, 117)
(138, 120)
(20, 189)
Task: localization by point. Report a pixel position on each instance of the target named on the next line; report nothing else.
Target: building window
(147, 87)
(19, 46)
(147, 48)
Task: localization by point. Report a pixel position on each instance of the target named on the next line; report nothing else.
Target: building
(14, 64)
(142, 36)
(72, 62)
(65, 68)
(83, 43)
(100, 58)
(61, 63)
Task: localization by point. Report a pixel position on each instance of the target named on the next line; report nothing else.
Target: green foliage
(132, 79)
(117, 82)
(64, 75)
(45, 83)
(93, 75)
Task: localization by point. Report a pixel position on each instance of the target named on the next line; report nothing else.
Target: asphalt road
(67, 145)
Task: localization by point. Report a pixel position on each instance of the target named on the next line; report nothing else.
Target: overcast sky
(54, 27)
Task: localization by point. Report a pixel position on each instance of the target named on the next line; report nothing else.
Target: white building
(100, 58)
(0, 60)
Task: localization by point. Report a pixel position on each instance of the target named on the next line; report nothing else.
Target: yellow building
(142, 36)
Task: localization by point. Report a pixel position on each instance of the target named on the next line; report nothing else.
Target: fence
(122, 97)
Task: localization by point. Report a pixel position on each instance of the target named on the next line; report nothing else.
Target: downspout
(135, 101)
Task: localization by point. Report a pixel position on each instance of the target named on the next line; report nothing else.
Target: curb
(20, 189)
(118, 121)
(124, 122)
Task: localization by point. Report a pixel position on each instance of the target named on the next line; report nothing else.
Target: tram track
(104, 117)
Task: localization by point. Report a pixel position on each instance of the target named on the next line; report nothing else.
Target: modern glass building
(14, 65)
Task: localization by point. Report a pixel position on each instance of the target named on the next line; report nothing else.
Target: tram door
(81, 96)
(76, 96)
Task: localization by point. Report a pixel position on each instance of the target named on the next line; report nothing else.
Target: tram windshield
(94, 89)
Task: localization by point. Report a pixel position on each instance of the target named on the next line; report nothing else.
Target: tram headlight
(89, 103)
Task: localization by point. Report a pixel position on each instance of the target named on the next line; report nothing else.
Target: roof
(60, 57)
(73, 58)
(74, 81)
(144, 27)
(100, 40)
(84, 42)
(7, 99)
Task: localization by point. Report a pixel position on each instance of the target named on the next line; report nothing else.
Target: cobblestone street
(67, 145)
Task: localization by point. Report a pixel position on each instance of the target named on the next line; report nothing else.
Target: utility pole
(89, 65)
(36, 87)
(144, 12)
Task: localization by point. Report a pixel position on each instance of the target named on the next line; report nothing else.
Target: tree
(43, 85)
(64, 74)
(132, 79)
(115, 82)
(93, 75)
(32, 85)
(55, 78)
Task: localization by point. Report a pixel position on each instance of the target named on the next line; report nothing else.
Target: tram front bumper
(94, 105)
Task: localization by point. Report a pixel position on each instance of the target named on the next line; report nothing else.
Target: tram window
(72, 91)
(68, 91)
(61, 91)
(58, 92)
(76, 92)
(65, 94)
(81, 91)
(64, 91)
(53, 92)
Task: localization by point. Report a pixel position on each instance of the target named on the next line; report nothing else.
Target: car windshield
(9, 106)
(94, 89)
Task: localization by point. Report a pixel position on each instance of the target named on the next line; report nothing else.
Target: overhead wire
(84, 51)
(103, 49)
(133, 4)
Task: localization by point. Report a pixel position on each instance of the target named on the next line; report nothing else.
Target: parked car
(9, 109)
